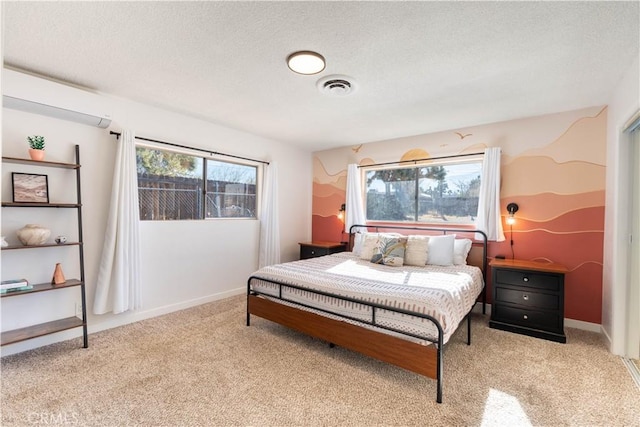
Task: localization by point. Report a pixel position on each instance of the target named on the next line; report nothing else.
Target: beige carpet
(204, 367)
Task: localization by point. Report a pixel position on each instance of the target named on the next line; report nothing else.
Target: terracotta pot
(36, 154)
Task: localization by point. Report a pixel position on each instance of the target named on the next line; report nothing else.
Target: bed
(398, 310)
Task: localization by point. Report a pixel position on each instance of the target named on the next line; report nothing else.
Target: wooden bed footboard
(422, 359)
(418, 358)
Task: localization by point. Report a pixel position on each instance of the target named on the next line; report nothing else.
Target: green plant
(36, 142)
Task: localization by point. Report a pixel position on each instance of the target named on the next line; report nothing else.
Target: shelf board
(39, 205)
(43, 287)
(23, 334)
(40, 163)
(46, 245)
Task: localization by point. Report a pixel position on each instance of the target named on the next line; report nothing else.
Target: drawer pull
(313, 252)
(525, 317)
(525, 297)
(525, 279)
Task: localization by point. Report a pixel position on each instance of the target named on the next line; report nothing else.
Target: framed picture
(29, 187)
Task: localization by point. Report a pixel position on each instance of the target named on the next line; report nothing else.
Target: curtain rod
(420, 160)
(117, 134)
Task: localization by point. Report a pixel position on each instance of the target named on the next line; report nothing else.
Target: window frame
(259, 167)
(442, 161)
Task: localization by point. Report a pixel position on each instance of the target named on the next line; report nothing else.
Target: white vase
(33, 234)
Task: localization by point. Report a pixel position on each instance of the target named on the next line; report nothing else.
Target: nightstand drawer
(548, 321)
(549, 282)
(522, 297)
(313, 251)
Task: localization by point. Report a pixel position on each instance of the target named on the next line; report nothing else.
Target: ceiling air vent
(337, 85)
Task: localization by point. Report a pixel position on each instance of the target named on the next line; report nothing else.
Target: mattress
(447, 293)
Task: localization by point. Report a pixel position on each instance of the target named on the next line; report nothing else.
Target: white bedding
(445, 292)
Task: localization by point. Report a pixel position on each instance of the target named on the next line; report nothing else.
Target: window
(172, 186)
(231, 190)
(445, 193)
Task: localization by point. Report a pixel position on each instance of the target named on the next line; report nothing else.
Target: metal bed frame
(418, 358)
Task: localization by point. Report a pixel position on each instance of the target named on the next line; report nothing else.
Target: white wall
(185, 263)
(624, 103)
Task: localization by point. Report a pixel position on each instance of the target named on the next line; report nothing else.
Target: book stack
(14, 285)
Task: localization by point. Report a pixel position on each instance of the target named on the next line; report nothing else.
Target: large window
(444, 193)
(175, 186)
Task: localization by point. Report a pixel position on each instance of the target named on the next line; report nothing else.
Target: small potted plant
(36, 147)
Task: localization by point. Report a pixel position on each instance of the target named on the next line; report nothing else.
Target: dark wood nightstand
(315, 249)
(528, 298)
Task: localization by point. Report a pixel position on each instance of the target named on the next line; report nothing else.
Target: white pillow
(441, 250)
(358, 242)
(417, 250)
(461, 248)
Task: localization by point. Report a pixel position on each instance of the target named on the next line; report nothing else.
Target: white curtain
(355, 209)
(489, 219)
(118, 287)
(269, 219)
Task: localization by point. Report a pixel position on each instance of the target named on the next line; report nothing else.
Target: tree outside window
(438, 193)
(172, 186)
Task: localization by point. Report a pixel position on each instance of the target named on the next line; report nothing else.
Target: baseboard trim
(585, 326)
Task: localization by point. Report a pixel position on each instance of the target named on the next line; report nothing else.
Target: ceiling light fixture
(306, 62)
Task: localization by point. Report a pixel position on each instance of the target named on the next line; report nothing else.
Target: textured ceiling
(421, 67)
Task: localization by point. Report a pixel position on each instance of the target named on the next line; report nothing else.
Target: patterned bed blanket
(446, 293)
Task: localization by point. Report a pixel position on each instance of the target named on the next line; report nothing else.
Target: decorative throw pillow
(417, 250)
(389, 251)
(369, 243)
(461, 248)
(441, 250)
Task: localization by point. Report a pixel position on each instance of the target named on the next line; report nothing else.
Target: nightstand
(315, 249)
(528, 298)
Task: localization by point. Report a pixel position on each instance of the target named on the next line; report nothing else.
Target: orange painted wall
(553, 167)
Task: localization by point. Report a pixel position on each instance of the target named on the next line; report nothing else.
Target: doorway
(634, 250)
(633, 308)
